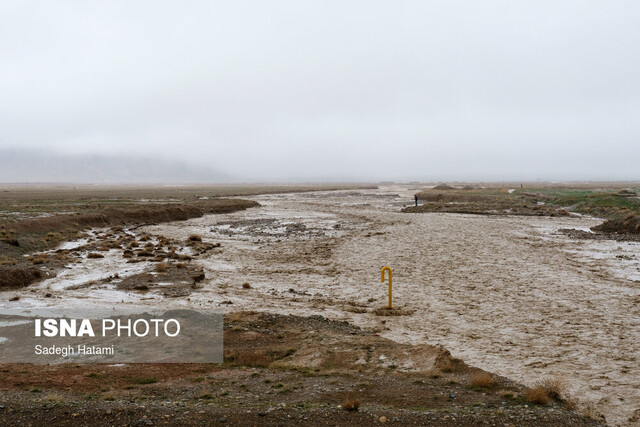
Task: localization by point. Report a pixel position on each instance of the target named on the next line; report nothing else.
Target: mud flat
(509, 294)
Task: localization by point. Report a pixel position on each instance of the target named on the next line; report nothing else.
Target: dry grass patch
(52, 236)
(537, 395)
(482, 380)
(54, 398)
(162, 267)
(110, 395)
(6, 260)
(195, 238)
(350, 404)
(94, 255)
(545, 391)
(554, 387)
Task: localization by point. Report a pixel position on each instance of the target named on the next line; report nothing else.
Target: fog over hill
(30, 166)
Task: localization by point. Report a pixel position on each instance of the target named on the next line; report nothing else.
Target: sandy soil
(507, 294)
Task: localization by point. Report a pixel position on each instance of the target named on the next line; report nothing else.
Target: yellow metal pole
(390, 279)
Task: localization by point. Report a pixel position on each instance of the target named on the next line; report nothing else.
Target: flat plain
(499, 279)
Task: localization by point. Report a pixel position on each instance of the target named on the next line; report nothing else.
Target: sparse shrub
(39, 260)
(162, 267)
(554, 387)
(5, 260)
(52, 236)
(537, 395)
(482, 380)
(544, 391)
(62, 257)
(351, 404)
(94, 255)
(195, 238)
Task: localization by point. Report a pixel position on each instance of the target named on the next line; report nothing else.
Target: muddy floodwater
(508, 294)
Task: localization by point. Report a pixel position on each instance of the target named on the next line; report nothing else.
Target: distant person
(416, 199)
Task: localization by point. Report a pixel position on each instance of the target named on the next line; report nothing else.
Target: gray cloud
(330, 90)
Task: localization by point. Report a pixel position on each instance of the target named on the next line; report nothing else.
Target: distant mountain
(30, 166)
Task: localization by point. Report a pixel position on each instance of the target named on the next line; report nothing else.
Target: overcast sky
(317, 90)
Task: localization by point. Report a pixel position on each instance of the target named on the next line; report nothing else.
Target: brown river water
(507, 294)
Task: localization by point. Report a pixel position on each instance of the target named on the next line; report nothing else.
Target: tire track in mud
(502, 293)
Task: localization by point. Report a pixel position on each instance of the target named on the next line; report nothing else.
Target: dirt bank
(493, 201)
(628, 225)
(280, 370)
(21, 237)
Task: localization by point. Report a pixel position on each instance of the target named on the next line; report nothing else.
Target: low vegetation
(620, 206)
(482, 380)
(351, 404)
(546, 391)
